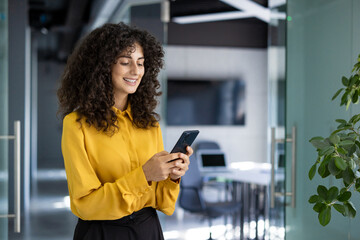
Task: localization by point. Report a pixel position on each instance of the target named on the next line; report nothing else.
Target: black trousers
(141, 225)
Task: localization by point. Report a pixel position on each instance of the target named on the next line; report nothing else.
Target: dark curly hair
(86, 84)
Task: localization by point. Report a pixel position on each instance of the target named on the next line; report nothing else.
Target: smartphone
(186, 139)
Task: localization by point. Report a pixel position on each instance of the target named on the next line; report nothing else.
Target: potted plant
(339, 156)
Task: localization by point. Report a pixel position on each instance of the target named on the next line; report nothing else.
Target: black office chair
(191, 197)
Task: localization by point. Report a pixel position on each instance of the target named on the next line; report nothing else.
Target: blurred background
(243, 72)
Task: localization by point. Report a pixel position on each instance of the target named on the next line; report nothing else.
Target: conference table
(251, 183)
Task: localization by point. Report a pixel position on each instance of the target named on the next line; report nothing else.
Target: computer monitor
(211, 160)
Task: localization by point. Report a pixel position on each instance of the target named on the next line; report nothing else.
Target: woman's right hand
(158, 167)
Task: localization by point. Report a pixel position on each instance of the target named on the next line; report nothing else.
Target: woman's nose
(135, 69)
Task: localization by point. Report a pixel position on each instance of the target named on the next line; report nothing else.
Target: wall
(49, 125)
(241, 143)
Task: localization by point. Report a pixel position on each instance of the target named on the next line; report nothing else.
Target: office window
(205, 102)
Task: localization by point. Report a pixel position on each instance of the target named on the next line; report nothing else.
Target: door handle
(292, 194)
(17, 176)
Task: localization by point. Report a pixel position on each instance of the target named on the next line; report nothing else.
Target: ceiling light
(276, 3)
(211, 17)
(257, 10)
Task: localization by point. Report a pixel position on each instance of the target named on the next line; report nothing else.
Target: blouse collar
(127, 111)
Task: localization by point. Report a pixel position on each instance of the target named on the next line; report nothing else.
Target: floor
(50, 218)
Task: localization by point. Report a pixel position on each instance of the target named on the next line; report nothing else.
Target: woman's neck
(121, 102)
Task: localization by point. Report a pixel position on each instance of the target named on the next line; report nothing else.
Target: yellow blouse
(104, 173)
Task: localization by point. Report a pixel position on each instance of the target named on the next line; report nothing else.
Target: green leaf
(334, 139)
(325, 216)
(339, 130)
(348, 176)
(318, 207)
(332, 194)
(352, 81)
(318, 143)
(327, 150)
(357, 185)
(341, 121)
(350, 209)
(344, 189)
(345, 81)
(312, 171)
(355, 97)
(341, 150)
(346, 142)
(340, 208)
(344, 98)
(355, 118)
(339, 175)
(322, 191)
(352, 150)
(313, 199)
(332, 167)
(323, 168)
(337, 93)
(352, 164)
(316, 138)
(340, 163)
(343, 197)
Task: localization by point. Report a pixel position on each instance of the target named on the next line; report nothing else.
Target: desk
(251, 180)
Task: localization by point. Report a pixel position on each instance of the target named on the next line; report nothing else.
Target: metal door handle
(17, 173)
(292, 194)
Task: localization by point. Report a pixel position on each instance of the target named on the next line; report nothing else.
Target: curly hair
(86, 84)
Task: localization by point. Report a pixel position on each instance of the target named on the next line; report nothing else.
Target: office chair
(191, 197)
(207, 145)
(213, 146)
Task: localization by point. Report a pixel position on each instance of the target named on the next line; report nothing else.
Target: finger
(182, 167)
(162, 153)
(172, 156)
(189, 150)
(178, 172)
(185, 158)
(166, 158)
(175, 163)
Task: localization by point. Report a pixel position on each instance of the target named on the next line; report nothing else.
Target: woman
(117, 170)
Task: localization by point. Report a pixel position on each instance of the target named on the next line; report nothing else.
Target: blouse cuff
(134, 183)
(172, 184)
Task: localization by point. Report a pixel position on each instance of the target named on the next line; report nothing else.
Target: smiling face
(127, 73)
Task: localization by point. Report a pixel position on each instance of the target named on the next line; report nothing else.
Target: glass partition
(276, 89)
(320, 44)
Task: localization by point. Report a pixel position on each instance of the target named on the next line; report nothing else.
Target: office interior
(285, 58)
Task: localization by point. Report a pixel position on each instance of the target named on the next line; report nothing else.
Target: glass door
(3, 121)
(5, 138)
(321, 38)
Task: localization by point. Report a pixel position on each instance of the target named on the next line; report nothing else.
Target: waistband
(135, 216)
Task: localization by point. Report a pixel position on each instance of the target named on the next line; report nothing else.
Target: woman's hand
(160, 166)
(181, 165)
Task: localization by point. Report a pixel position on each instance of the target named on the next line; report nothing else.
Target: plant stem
(347, 189)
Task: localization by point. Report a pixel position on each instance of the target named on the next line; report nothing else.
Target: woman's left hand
(182, 165)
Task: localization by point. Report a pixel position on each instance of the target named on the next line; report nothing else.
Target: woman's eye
(124, 63)
(140, 64)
